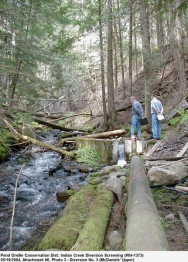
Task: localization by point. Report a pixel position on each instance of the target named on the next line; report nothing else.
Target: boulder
(115, 238)
(163, 176)
(109, 169)
(118, 173)
(170, 216)
(4, 199)
(74, 167)
(179, 169)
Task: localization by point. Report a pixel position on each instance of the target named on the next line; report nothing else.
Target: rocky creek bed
(168, 210)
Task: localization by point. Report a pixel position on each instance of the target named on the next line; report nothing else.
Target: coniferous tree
(110, 82)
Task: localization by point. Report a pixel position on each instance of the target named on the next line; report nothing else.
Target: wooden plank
(184, 221)
(164, 162)
(182, 152)
(168, 158)
(153, 149)
(155, 163)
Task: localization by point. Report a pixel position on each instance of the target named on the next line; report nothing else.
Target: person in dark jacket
(137, 114)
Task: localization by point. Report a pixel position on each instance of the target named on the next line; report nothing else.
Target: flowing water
(121, 155)
(36, 193)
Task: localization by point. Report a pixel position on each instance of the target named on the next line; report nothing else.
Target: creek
(36, 193)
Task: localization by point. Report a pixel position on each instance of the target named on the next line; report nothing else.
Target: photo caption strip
(63, 256)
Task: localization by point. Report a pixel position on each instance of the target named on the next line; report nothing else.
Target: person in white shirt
(156, 109)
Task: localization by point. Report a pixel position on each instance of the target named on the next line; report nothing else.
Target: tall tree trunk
(110, 82)
(68, 97)
(160, 38)
(15, 78)
(160, 33)
(102, 68)
(135, 43)
(115, 55)
(130, 51)
(178, 50)
(146, 56)
(121, 53)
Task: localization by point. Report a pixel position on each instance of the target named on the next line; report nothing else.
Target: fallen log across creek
(39, 143)
(109, 134)
(50, 124)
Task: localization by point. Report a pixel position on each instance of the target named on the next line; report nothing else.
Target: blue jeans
(156, 126)
(135, 123)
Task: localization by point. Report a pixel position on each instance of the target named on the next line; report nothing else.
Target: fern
(181, 112)
(174, 121)
(184, 119)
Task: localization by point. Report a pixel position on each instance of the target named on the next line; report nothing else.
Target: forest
(73, 65)
(59, 55)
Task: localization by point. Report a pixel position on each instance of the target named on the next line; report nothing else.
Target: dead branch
(14, 206)
(65, 117)
(184, 221)
(182, 188)
(176, 190)
(182, 152)
(41, 144)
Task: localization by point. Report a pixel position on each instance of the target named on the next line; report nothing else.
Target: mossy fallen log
(39, 143)
(54, 126)
(65, 231)
(103, 135)
(91, 237)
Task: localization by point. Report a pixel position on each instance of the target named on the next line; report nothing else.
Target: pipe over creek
(36, 201)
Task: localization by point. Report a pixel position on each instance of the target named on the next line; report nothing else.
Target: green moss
(92, 235)
(88, 156)
(64, 233)
(70, 192)
(95, 180)
(6, 139)
(96, 174)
